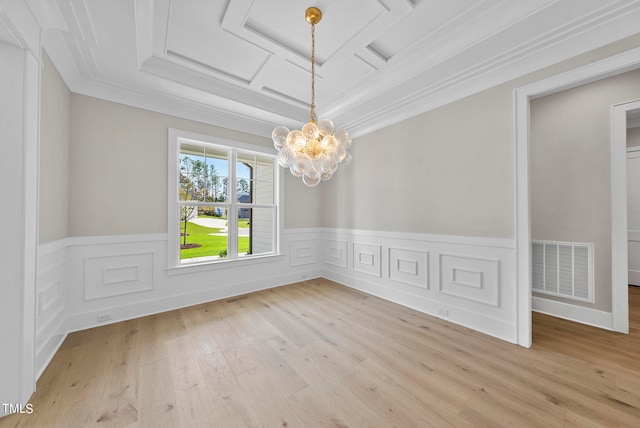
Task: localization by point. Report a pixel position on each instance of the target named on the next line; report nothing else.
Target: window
(223, 200)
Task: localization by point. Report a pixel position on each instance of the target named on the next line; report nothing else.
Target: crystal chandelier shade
(314, 152)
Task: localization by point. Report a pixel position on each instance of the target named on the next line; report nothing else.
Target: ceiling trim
(390, 87)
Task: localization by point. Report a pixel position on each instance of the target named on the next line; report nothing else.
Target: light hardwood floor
(320, 354)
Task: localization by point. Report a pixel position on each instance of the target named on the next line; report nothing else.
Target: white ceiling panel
(245, 64)
(285, 26)
(291, 82)
(415, 27)
(194, 35)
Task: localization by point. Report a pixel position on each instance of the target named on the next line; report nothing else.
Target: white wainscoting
(335, 252)
(472, 278)
(114, 278)
(116, 274)
(50, 301)
(409, 267)
(465, 280)
(366, 258)
(634, 256)
(303, 252)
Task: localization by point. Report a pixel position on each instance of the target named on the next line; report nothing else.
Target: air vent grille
(563, 269)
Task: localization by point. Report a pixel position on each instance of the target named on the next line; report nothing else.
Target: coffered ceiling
(245, 64)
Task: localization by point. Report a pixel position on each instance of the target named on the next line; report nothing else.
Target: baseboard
(47, 352)
(575, 313)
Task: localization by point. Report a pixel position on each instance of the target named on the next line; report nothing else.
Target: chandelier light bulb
(315, 151)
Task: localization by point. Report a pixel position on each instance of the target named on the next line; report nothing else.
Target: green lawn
(242, 224)
(210, 245)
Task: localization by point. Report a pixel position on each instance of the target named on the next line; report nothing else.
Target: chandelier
(314, 152)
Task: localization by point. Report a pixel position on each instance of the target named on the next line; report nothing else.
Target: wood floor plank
(155, 330)
(119, 404)
(157, 403)
(325, 376)
(190, 390)
(232, 406)
(320, 354)
(270, 406)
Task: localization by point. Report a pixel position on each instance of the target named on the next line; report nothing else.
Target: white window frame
(175, 138)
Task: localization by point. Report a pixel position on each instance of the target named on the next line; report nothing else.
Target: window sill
(223, 264)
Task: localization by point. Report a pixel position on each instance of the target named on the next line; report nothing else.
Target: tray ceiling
(244, 64)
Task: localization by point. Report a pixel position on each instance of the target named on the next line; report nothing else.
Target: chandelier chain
(313, 73)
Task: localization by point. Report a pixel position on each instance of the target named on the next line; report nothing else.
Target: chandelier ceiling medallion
(314, 152)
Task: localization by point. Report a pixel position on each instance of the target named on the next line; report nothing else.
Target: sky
(222, 166)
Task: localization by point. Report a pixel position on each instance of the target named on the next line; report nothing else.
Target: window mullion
(232, 217)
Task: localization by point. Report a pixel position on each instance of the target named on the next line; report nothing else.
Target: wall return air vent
(563, 269)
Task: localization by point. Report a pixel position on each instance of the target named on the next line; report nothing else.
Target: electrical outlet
(443, 312)
(104, 317)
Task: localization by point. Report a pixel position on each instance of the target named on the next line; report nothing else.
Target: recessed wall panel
(409, 267)
(303, 252)
(366, 259)
(335, 253)
(470, 278)
(109, 276)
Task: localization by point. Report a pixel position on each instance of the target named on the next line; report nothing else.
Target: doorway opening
(618, 319)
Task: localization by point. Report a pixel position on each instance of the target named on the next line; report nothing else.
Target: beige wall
(446, 171)
(118, 170)
(633, 137)
(571, 169)
(54, 155)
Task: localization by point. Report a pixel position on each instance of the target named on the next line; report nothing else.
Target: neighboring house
(244, 213)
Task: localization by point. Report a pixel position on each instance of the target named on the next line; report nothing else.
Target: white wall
(11, 249)
(19, 121)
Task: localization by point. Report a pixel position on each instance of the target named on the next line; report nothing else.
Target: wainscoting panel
(367, 259)
(88, 281)
(335, 252)
(50, 301)
(409, 267)
(467, 273)
(634, 257)
(107, 276)
(303, 252)
(470, 278)
(114, 278)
